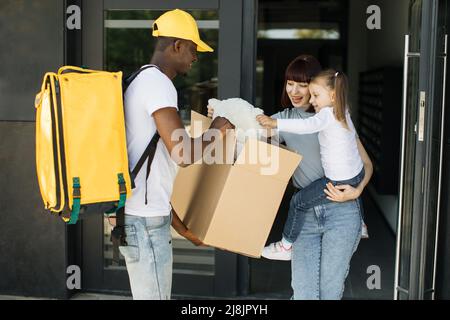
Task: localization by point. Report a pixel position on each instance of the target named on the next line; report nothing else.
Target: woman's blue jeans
(329, 235)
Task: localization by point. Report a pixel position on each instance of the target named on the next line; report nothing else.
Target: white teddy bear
(242, 115)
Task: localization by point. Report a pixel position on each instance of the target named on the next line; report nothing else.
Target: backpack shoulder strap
(148, 153)
(128, 80)
(151, 147)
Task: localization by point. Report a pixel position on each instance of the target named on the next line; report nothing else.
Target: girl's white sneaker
(364, 232)
(276, 251)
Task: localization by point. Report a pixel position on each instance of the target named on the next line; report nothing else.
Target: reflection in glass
(324, 34)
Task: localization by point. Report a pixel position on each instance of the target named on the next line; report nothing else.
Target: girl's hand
(210, 111)
(341, 193)
(266, 122)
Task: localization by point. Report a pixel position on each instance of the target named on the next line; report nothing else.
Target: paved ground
(81, 296)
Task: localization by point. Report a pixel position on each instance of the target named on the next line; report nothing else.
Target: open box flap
(199, 124)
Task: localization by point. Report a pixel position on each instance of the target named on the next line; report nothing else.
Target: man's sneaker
(276, 251)
(364, 232)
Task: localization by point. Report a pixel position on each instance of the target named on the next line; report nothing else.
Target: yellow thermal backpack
(81, 150)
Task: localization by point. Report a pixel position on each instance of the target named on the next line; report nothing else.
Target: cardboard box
(233, 206)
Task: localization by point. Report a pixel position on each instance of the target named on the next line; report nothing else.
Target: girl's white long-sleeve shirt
(338, 147)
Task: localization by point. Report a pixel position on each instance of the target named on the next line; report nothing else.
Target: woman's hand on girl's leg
(341, 193)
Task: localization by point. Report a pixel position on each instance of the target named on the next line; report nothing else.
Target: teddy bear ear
(212, 102)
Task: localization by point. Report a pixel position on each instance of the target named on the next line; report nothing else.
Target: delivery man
(150, 106)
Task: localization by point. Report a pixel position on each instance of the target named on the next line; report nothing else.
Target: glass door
(117, 37)
(435, 153)
(408, 150)
(421, 153)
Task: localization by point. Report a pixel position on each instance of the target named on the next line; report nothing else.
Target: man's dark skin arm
(167, 121)
(183, 231)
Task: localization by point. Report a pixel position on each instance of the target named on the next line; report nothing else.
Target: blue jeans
(148, 256)
(329, 235)
(309, 197)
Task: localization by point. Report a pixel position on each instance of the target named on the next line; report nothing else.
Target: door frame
(236, 73)
(424, 200)
(432, 161)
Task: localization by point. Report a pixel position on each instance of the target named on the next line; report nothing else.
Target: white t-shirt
(338, 147)
(151, 90)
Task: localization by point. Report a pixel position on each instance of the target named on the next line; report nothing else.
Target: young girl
(338, 148)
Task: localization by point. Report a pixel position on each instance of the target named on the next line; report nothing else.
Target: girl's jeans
(148, 256)
(329, 235)
(309, 197)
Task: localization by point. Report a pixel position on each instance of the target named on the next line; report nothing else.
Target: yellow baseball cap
(179, 24)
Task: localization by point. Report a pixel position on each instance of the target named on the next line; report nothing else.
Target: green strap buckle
(76, 201)
(122, 191)
(123, 195)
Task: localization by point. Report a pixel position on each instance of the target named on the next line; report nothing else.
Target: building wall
(32, 243)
